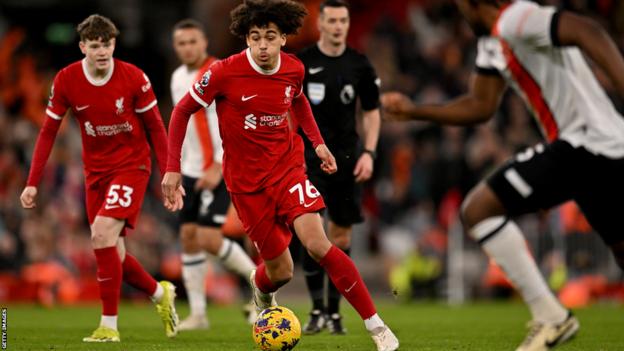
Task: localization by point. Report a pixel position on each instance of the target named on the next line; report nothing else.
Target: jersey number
(310, 191)
(113, 195)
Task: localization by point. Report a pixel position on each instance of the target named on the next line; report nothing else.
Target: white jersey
(193, 160)
(555, 82)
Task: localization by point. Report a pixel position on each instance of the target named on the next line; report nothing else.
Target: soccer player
(263, 163)
(116, 109)
(207, 199)
(539, 52)
(336, 76)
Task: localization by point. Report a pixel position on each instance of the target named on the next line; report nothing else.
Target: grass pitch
(419, 326)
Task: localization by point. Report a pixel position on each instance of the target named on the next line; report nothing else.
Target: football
(277, 329)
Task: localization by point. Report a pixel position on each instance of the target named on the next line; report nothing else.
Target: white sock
(109, 322)
(373, 322)
(194, 276)
(235, 259)
(503, 241)
(158, 294)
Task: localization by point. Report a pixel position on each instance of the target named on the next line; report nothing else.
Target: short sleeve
(206, 89)
(369, 86)
(58, 102)
(529, 23)
(145, 98)
(487, 52)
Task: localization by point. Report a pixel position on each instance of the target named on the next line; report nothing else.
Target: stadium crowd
(420, 47)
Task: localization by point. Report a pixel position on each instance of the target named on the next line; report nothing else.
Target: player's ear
(247, 40)
(83, 47)
(283, 39)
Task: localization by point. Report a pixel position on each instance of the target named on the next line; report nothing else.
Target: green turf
(421, 326)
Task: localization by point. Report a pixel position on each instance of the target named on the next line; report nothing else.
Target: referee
(336, 76)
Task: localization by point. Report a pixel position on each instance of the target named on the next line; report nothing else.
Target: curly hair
(97, 27)
(287, 15)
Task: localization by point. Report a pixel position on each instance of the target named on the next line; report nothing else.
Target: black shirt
(333, 84)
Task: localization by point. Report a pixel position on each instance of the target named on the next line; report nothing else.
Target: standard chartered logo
(250, 121)
(89, 129)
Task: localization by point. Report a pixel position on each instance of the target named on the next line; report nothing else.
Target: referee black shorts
(204, 207)
(545, 176)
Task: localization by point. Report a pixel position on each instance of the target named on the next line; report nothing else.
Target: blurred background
(411, 245)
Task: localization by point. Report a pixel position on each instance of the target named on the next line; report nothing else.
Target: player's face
(333, 24)
(471, 14)
(98, 53)
(265, 44)
(190, 45)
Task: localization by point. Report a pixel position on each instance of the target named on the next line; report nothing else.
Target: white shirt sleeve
(528, 22)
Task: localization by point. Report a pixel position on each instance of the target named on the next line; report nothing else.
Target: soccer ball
(277, 329)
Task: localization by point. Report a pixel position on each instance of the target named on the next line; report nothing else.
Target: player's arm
(172, 180)
(43, 147)
(590, 37)
(302, 112)
(210, 125)
(157, 134)
(371, 125)
(476, 106)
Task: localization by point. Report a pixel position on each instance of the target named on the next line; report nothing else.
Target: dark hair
(333, 3)
(286, 14)
(97, 27)
(189, 23)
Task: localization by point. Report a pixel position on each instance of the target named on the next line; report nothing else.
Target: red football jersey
(113, 135)
(252, 105)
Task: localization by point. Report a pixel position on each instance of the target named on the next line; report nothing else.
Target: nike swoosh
(310, 204)
(80, 108)
(351, 287)
(245, 98)
(315, 70)
(563, 332)
(103, 279)
(108, 207)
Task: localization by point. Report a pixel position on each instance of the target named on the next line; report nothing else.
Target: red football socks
(135, 275)
(347, 279)
(109, 278)
(263, 282)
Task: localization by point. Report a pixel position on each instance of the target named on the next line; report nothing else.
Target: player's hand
(211, 177)
(28, 197)
(328, 162)
(173, 191)
(396, 106)
(363, 168)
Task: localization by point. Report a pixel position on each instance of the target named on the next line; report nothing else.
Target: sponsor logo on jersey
(199, 89)
(316, 92)
(250, 122)
(147, 85)
(89, 129)
(347, 94)
(109, 130)
(119, 104)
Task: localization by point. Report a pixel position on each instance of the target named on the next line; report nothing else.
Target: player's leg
(193, 258)
(211, 238)
(269, 277)
(345, 276)
(104, 234)
(314, 274)
(345, 209)
(534, 180)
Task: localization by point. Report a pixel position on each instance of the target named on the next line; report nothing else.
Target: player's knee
(210, 240)
(100, 237)
(480, 204)
(188, 239)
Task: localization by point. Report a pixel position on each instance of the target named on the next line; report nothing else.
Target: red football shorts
(119, 195)
(267, 215)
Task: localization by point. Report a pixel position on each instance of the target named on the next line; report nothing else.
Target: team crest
(119, 104)
(51, 96)
(316, 92)
(347, 94)
(288, 92)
